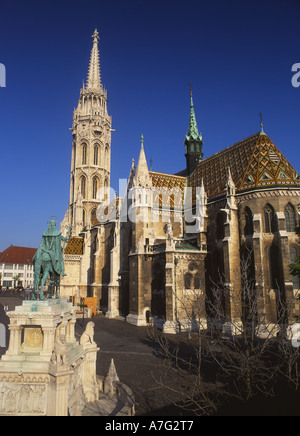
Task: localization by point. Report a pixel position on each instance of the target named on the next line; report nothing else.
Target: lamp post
(82, 305)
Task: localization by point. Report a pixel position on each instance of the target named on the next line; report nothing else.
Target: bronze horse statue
(42, 270)
(48, 262)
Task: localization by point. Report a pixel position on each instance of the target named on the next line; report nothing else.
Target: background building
(17, 262)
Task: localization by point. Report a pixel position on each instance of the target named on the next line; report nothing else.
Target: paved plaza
(136, 362)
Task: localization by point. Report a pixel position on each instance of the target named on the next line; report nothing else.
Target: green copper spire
(193, 132)
(193, 140)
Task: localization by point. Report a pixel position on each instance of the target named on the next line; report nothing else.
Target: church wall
(267, 246)
(70, 282)
(190, 287)
(102, 244)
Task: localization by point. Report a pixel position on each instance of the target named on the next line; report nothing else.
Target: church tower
(193, 142)
(91, 151)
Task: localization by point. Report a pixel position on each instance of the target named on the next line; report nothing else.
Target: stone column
(58, 394)
(285, 261)
(114, 285)
(15, 340)
(231, 251)
(70, 331)
(170, 325)
(267, 311)
(89, 382)
(48, 342)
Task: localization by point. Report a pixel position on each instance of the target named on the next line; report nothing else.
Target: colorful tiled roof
(166, 183)
(254, 162)
(74, 246)
(18, 255)
(268, 167)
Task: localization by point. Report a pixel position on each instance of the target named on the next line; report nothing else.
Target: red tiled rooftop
(18, 255)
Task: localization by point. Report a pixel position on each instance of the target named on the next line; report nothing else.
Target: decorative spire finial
(95, 36)
(191, 89)
(94, 80)
(142, 141)
(261, 124)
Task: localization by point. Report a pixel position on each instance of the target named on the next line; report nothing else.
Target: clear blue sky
(238, 55)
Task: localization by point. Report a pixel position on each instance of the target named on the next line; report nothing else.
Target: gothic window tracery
(96, 154)
(192, 279)
(270, 219)
(188, 281)
(95, 188)
(84, 154)
(83, 186)
(290, 218)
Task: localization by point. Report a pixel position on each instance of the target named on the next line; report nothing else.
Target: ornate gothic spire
(193, 132)
(142, 177)
(193, 141)
(94, 80)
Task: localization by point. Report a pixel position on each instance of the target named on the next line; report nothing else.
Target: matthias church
(175, 240)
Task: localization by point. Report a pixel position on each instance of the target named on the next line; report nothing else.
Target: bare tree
(217, 358)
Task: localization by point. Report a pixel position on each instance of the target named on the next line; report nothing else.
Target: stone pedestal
(47, 372)
(43, 369)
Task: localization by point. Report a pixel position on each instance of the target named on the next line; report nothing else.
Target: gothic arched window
(84, 154)
(248, 222)
(197, 281)
(270, 219)
(290, 218)
(188, 281)
(96, 154)
(83, 186)
(95, 188)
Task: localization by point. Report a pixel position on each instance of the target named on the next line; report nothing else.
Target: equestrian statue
(48, 261)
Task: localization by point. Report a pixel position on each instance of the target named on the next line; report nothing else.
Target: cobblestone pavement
(134, 356)
(136, 363)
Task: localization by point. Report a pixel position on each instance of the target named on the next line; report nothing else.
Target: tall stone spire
(142, 166)
(91, 152)
(193, 141)
(142, 177)
(94, 80)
